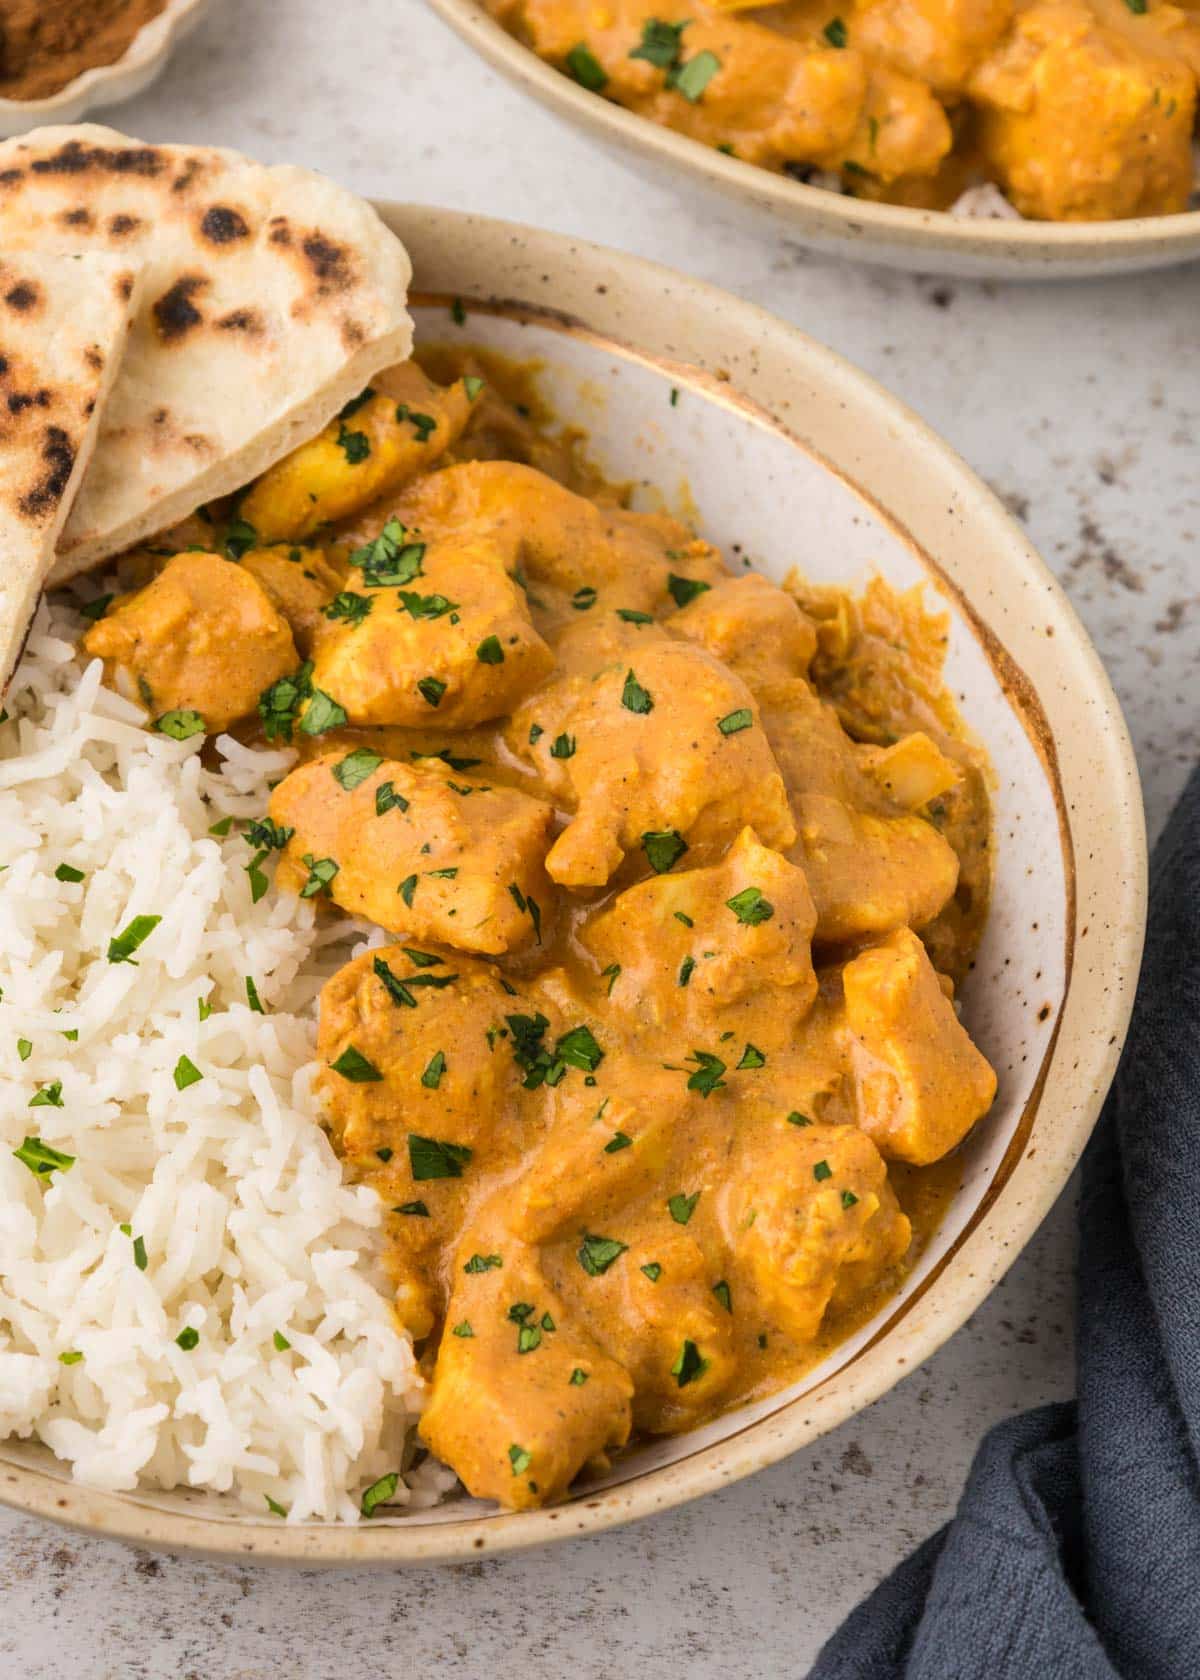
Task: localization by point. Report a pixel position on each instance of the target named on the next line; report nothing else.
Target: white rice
(229, 1186)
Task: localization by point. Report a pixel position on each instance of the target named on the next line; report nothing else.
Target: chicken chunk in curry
(659, 1072)
(1080, 110)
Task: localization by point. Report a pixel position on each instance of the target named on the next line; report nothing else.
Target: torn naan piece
(64, 323)
(270, 298)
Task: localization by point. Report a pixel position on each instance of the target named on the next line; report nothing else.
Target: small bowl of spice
(60, 58)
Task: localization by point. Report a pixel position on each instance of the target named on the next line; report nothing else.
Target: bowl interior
(772, 504)
(771, 205)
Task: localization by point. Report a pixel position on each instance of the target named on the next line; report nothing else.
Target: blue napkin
(1075, 1552)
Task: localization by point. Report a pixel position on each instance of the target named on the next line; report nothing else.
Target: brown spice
(44, 44)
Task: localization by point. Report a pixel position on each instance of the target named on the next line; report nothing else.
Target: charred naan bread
(270, 298)
(63, 326)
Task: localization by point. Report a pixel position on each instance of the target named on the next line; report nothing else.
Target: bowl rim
(587, 290)
(935, 232)
(154, 40)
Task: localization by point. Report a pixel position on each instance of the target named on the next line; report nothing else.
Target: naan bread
(63, 326)
(270, 297)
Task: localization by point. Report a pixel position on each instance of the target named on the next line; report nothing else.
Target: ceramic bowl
(788, 456)
(770, 205)
(108, 84)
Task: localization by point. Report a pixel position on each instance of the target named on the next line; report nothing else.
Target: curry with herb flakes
(658, 1069)
(1080, 110)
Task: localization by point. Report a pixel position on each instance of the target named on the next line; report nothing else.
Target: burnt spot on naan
(248, 322)
(79, 217)
(121, 226)
(18, 401)
(281, 233)
(183, 181)
(40, 501)
(74, 158)
(123, 286)
(175, 315)
(330, 263)
(353, 335)
(23, 297)
(94, 357)
(222, 225)
(9, 177)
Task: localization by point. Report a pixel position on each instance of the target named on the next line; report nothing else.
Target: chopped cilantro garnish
(689, 1364)
(617, 1142)
(663, 848)
(139, 1253)
(822, 1171)
(356, 767)
(122, 947)
(252, 997)
(40, 1158)
(71, 1357)
(684, 589)
(578, 1377)
(848, 1199)
(463, 1329)
(275, 1508)
(472, 385)
(416, 1210)
(529, 1336)
(355, 446)
(422, 959)
(432, 1077)
(579, 1048)
(396, 988)
(752, 1057)
(598, 1253)
(692, 78)
(186, 1073)
(188, 1338)
(355, 403)
(612, 974)
(750, 907)
(519, 1459)
(432, 1158)
(722, 1292)
(279, 704)
(535, 733)
(661, 43)
(67, 872)
(268, 836)
(221, 829)
(426, 606)
(321, 872)
(240, 538)
(680, 916)
(94, 610)
(180, 725)
(795, 1118)
(685, 970)
(380, 1492)
(489, 651)
(707, 1077)
(634, 697)
(349, 607)
(431, 690)
(586, 68)
(322, 714)
(483, 1263)
(682, 1207)
(355, 1067)
(563, 746)
(387, 799)
(387, 561)
(734, 722)
(258, 881)
(632, 616)
(835, 32)
(583, 598)
(24, 1049)
(653, 1271)
(281, 1342)
(407, 888)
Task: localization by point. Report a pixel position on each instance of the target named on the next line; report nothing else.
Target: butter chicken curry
(1080, 110)
(678, 872)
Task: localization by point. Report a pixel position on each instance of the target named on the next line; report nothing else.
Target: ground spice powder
(44, 44)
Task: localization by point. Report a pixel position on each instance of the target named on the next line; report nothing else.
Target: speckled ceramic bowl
(791, 457)
(766, 204)
(108, 84)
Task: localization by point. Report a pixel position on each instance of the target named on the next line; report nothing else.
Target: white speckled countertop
(1079, 404)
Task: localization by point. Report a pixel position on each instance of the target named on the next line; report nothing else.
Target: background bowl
(788, 456)
(108, 84)
(765, 204)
